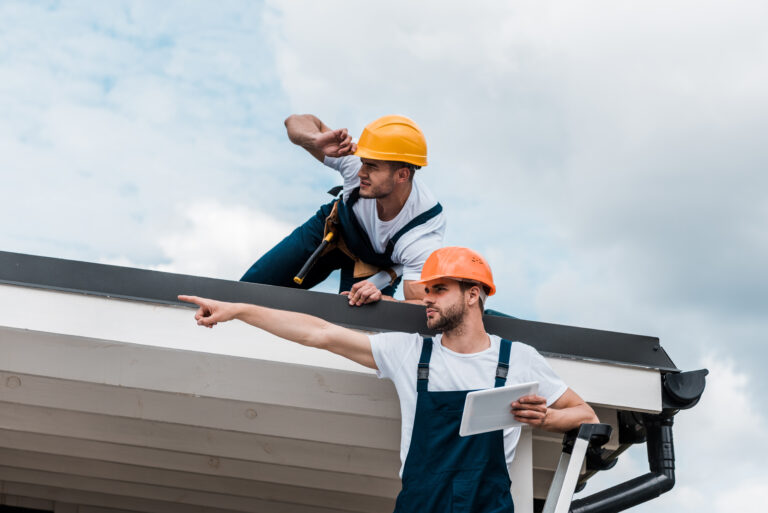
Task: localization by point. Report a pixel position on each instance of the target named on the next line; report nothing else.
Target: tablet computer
(488, 410)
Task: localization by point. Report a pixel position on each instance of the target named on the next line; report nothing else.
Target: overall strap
(356, 238)
(354, 195)
(503, 366)
(422, 374)
(416, 221)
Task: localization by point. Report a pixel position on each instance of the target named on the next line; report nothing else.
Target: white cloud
(112, 115)
(746, 497)
(727, 428)
(220, 241)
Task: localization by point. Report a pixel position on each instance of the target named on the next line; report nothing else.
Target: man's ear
(403, 174)
(474, 295)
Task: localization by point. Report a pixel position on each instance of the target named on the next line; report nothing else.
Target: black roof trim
(162, 287)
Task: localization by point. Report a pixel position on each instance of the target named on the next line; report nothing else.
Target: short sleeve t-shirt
(397, 358)
(413, 248)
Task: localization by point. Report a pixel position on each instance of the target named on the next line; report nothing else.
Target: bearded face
(448, 318)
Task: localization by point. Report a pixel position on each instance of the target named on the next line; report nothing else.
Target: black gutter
(161, 287)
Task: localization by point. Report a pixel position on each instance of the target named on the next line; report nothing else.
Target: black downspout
(679, 391)
(661, 478)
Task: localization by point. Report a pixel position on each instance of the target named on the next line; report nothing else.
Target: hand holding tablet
(489, 410)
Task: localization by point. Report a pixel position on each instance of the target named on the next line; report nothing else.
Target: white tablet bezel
(488, 410)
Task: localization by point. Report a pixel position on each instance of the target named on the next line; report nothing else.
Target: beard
(381, 189)
(376, 192)
(448, 319)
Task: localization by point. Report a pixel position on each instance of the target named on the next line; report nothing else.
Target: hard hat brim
(416, 160)
(491, 291)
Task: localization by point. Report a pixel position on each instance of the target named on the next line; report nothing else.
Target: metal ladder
(575, 446)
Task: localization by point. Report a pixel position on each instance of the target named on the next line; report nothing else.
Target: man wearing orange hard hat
(381, 228)
(433, 376)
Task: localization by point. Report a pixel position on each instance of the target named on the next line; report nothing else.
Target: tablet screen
(488, 410)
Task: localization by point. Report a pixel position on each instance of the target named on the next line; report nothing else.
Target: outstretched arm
(318, 139)
(301, 328)
(568, 412)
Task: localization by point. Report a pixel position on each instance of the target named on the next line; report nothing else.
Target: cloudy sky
(607, 157)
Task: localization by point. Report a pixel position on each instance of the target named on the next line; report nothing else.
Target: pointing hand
(211, 312)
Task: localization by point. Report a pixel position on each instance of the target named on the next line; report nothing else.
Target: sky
(606, 157)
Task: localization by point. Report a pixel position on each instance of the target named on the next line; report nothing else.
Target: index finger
(190, 299)
(532, 399)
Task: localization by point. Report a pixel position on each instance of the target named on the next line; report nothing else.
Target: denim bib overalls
(280, 264)
(445, 472)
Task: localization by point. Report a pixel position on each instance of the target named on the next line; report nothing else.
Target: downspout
(680, 391)
(661, 478)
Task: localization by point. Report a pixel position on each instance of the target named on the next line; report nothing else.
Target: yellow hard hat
(393, 138)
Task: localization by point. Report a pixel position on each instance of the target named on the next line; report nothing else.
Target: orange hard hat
(459, 264)
(394, 138)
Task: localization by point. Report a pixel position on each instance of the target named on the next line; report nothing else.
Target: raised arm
(318, 139)
(568, 412)
(297, 327)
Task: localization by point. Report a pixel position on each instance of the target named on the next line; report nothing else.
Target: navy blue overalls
(280, 264)
(445, 472)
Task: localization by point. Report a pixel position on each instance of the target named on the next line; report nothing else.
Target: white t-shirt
(413, 248)
(397, 358)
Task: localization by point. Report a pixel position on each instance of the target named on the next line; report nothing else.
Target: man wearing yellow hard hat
(382, 227)
(440, 468)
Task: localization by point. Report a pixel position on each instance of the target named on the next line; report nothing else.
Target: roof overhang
(112, 397)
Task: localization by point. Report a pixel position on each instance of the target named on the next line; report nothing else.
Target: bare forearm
(297, 327)
(565, 419)
(303, 129)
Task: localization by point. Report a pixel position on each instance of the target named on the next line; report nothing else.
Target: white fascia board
(142, 367)
(108, 326)
(150, 324)
(610, 385)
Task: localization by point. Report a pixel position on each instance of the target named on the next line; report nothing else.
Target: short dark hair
(466, 285)
(396, 164)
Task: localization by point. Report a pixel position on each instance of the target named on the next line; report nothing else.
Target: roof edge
(163, 287)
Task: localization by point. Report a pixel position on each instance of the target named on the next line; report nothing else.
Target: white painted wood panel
(248, 417)
(113, 476)
(74, 495)
(199, 463)
(198, 374)
(615, 386)
(150, 324)
(217, 443)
